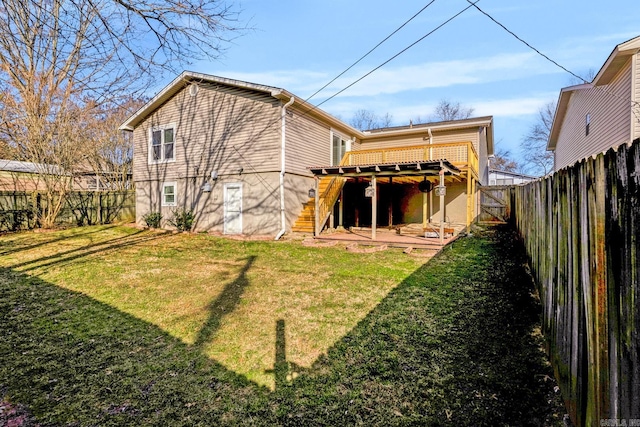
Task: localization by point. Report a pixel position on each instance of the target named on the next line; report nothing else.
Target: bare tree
(61, 59)
(110, 151)
(367, 119)
(447, 110)
(503, 161)
(534, 143)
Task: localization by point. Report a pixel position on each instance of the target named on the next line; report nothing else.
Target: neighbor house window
(339, 147)
(169, 194)
(162, 144)
(587, 123)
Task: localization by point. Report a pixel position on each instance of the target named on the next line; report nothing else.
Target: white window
(339, 147)
(505, 181)
(169, 194)
(162, 144)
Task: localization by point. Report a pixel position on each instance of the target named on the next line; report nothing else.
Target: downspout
(430, 158)
(283, 218)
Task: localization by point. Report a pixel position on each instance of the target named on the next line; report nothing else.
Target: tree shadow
(139, 236)
(224, 304)
(454, 343)
(73, 360)
(9, 249)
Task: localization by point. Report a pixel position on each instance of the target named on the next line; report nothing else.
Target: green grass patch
(118, 326)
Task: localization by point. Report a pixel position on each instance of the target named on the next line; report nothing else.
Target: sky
(300, 45)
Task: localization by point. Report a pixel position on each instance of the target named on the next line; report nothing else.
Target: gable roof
(612, 66)
(616, 60)
(188, 77)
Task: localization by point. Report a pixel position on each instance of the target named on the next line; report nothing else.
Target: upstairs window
(162, 144)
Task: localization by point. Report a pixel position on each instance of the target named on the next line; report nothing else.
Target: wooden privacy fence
(21, 209)
(494, 204)
(581, 228)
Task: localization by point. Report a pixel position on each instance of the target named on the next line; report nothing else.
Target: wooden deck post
(441, 205)
(425, 205)
(317, 209)
(390, 202)
(469, 197)
(341, 209)
(374, 207)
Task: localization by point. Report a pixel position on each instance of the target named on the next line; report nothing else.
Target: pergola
(424, 168)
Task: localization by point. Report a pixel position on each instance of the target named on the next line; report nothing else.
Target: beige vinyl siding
(220, 128)
(609, 110)
(308, 143)
(635, 117)
(460, 135)
(483, 163)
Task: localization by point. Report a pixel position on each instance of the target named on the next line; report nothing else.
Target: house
(500, 177)
(29, 176)
(247, 158)
(593, 117)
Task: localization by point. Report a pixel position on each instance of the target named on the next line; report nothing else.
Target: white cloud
(402, 112)
(512, 107)
(392, 80)
(440, 74)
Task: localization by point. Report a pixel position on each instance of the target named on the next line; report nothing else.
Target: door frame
(227, 186)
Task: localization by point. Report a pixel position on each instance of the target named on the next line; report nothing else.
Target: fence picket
(581, 229)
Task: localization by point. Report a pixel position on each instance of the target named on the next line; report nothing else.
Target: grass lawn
(118, 326)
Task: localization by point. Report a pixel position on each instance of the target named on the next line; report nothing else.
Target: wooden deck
(390, 238)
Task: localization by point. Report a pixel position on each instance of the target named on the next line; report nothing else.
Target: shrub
(152, 219)
(182, 219)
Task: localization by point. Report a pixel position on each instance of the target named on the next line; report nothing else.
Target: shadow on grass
(12, 247)
(452, 344)
(117, 243)
(224, 304)
(74, 360)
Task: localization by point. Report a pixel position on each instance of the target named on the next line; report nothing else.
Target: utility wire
(633, 103)
(370, 51)
(525, 43)
(400, 53)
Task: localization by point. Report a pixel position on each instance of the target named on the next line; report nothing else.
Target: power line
(399, 53)
(525, 43)
(602, 88)
(370, 51)
(315, 107)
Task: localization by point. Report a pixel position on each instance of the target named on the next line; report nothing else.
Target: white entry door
(233, 208)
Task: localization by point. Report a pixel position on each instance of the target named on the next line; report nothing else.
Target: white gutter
(283, 219)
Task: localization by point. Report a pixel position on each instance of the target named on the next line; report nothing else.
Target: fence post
(100, 221)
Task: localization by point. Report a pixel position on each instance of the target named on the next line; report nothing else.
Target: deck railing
(460, 154)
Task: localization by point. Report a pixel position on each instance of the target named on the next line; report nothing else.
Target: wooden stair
(306, 220)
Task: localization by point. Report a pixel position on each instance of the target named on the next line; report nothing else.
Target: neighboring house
(500, 177)
(23, 176)
(28, 176)
(244, 158)
(591, 118)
